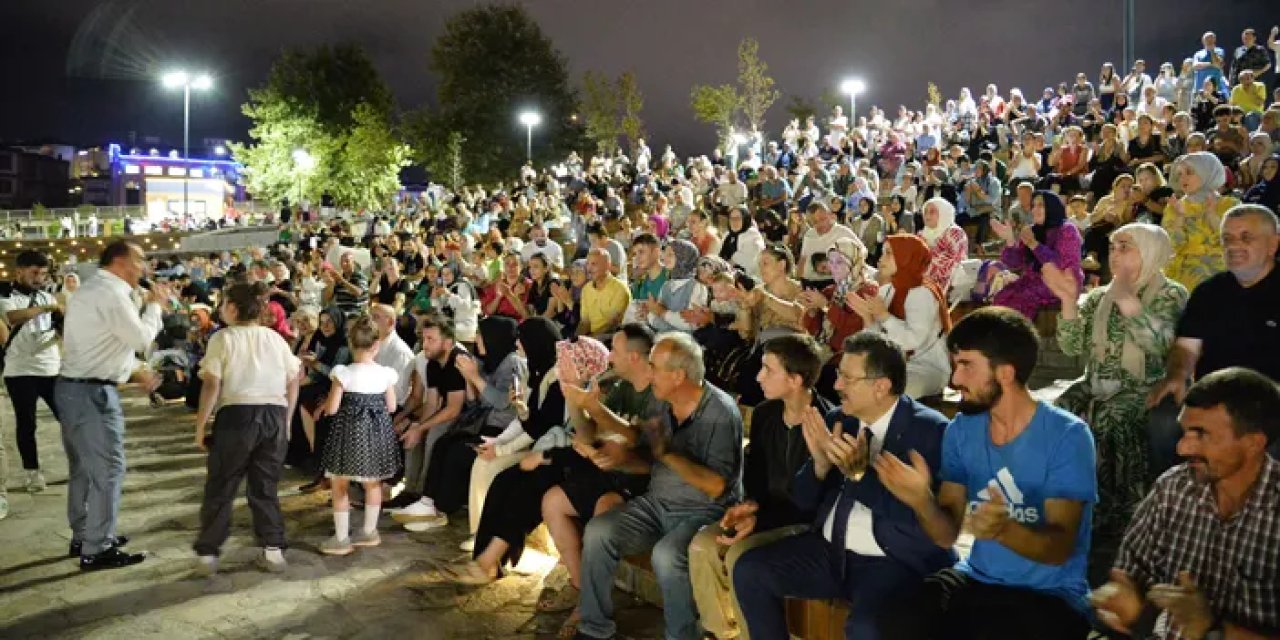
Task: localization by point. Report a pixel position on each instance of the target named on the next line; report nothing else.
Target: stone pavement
(391, 591)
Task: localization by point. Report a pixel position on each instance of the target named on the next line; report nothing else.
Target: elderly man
(393, 353)
(1199, 558)
(696, 449)
(346, 286)
(103, 331)
(1231, 320)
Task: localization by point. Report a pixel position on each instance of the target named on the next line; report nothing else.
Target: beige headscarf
(1156, 248)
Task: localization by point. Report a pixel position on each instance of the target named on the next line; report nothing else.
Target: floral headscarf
(848, 263)
(586, 354)
(687, 255)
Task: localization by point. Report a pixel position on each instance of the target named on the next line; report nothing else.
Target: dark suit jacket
(896, 529)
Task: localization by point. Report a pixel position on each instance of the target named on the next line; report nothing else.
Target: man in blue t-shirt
(1023, 473)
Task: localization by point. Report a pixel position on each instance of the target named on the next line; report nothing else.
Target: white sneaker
(468, 545)
(206, 566)
(272, 560)
(4, 507)
(419, 511)
(435, 522)
(35, 481)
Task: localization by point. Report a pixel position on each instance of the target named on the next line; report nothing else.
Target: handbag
(471, 420)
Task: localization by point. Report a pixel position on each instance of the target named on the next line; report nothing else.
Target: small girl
(362, 444)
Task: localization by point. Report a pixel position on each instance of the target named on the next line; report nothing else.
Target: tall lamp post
(853, 87)
(304, 162)
(187, 82)
(529, 119)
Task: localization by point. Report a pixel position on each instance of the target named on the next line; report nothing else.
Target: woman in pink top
(948, 243)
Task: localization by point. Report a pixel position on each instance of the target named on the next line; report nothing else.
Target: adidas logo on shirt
(1013, 497)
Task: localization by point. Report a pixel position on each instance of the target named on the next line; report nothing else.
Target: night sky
(83, 72)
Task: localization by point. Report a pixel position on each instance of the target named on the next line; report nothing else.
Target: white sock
(341, 524)
(273, 554)
(371, 517)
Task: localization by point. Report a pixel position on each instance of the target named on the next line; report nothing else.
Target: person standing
(32, 357)
(102, 332)
(251, 376)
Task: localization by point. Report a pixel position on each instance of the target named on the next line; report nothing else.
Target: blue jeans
(644, 524)
(801, 567)
(93, 436)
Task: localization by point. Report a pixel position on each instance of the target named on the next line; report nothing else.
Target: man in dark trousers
(865, 546)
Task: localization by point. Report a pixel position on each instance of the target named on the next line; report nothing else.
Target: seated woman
(869, 226)
(683, 289)
(948, 244)
(502, 369)
(1153, 194)
(912, 311)
(743, 243)
(327, 350)
(566, 298)
(456, 298)
(1112, 211)
(829, 316)
(1194, 220)
(509, 294)
(539, 407)
(1266, 191)
(1123, 331)
(769, 309)
(512, 507)
(1049, 240)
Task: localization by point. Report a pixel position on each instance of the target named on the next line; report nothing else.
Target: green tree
(755, 86)
(330, 104)
(631, 102)
(717, 106)
(492, 62)
(799, 107)
(600, 111)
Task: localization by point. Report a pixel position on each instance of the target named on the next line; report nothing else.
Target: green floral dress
(1113, 401)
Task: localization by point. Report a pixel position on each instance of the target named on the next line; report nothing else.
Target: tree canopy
(328, 107)
(492, 63)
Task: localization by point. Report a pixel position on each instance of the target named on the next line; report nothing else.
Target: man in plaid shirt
(1200, 559)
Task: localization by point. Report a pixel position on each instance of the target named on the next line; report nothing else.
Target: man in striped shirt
(1201, 556)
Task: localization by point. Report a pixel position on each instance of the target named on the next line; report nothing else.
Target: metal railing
(53, 215)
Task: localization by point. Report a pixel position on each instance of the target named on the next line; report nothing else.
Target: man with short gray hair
(695, 445)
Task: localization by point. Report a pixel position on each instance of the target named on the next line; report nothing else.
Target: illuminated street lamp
(853, 87)
(187, 82)
(529, 119)
(304, 162)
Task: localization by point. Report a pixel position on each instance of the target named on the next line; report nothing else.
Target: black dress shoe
(112, 558)
(77, 546)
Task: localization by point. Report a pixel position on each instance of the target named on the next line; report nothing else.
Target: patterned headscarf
(589, 356)
(848, 263)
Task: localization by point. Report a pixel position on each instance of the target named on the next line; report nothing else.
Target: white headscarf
(946, 220)
(1212, 174)
(1156, 249)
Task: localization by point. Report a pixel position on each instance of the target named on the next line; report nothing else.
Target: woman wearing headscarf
(539, 407)
(566, 298)
(1123, 332)
(502, 368)
(1194, 220)
(948, 243)
(743, 243)
(512, 508)
(828, 315)
(1266, 191)
(869, 227)
(912, 312)
(328, 349)
(682, 289)
(1048, 240)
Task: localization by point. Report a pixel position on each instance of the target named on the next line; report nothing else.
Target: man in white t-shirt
(393, 353)
(732, 193)
(819, 239)
(538, 243)
(33, 356)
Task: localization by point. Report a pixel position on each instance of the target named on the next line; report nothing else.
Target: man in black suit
(865, 546)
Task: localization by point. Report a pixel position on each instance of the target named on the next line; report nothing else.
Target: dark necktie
(840, 520)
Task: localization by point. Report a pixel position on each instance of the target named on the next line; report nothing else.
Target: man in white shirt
(392, 350)
(731, 193)
(865, 545)
(32, 357)
(819, 239)
(103, 330)
(538, 243)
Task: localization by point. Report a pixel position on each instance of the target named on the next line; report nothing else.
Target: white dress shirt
(859, 537)
(103, 330)
(394, 354)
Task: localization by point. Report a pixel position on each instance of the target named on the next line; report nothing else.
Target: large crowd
(734, 363)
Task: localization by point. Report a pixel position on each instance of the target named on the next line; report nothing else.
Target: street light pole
(186, 150)
(528, 142)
